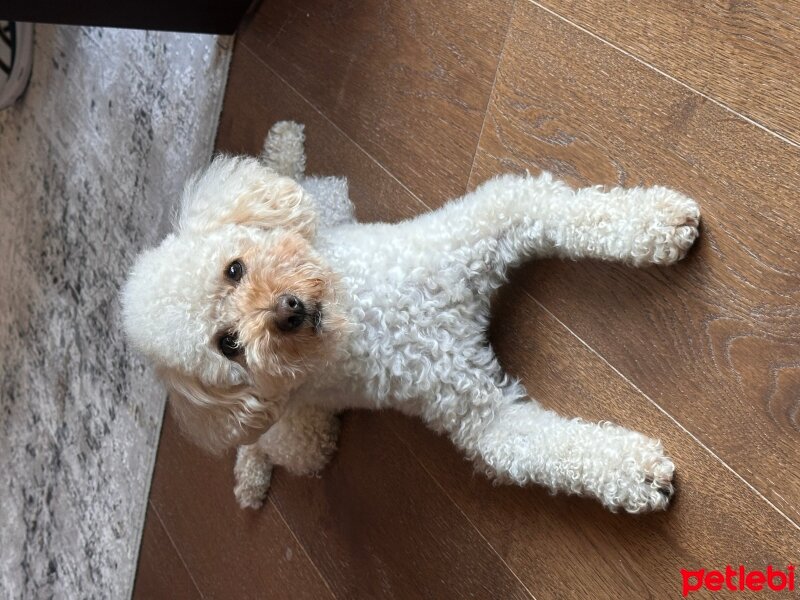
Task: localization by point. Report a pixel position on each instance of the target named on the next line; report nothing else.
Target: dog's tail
(283, 149)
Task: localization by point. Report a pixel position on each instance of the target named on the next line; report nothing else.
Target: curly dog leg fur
(302, 441)
(253, 472)
(522, 217)
(526, 444)
(513, 439)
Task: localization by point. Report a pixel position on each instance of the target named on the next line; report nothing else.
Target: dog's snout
(290, 313)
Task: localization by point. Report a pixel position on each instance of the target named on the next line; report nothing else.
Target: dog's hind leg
(511, 218)
(284, 150)
(513, 439)
(525, 443)
(638, 226)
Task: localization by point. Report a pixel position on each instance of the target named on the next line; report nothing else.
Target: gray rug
(91, 164)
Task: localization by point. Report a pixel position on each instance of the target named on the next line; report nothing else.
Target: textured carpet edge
(226, 44)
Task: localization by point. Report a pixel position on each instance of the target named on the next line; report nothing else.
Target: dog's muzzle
(290, 312)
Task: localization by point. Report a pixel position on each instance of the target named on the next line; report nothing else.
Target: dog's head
(235, 307)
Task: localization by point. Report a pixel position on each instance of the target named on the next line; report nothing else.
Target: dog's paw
(655, 491)
(253, 473)
(644, 482)
(668, 227)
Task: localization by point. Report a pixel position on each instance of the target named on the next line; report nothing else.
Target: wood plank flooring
(408, 81)
(715, 339)
(741, 54)
(418, 101)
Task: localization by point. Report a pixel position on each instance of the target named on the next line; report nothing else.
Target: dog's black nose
(289, 312)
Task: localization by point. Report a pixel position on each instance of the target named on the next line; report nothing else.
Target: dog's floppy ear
(217, 419)
(243, 191)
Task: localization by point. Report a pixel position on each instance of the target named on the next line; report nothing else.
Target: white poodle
(270, 310)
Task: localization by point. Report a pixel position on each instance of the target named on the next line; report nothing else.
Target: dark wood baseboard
(201, 16)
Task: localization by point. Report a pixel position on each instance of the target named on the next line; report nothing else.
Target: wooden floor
(417, 101)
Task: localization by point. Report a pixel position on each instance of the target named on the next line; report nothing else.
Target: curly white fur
(412, 303)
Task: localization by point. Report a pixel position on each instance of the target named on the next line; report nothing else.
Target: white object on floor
(17, 50)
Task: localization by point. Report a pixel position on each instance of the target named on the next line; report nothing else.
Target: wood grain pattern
(378, 526)
(259, 98)
(713, 339)
(606, 555)
(231, 553)
(408, 81)
(744, 54)
(161, 574)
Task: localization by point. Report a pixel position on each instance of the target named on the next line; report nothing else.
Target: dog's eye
(229, 345)
(235, 271)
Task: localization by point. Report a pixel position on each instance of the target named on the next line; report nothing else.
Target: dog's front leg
(302, 441)
(524, 443)
(253, 472)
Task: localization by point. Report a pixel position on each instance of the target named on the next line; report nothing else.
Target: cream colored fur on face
(403, 315)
